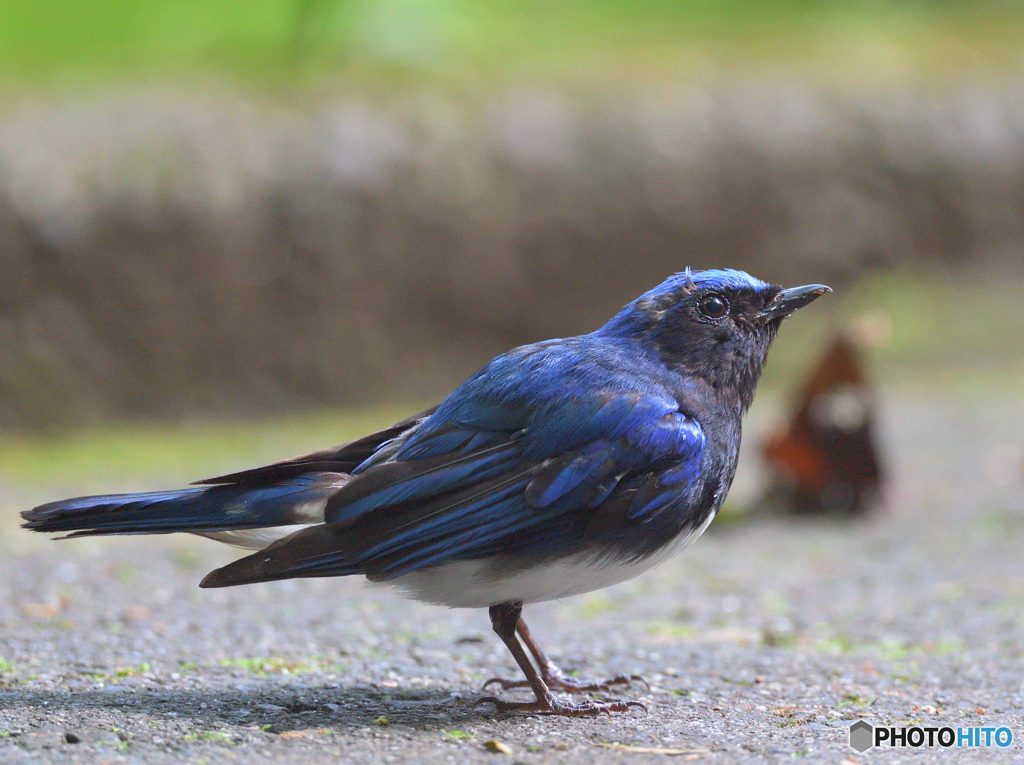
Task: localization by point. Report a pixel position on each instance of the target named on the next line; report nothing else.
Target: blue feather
(571, 450)
(557, 477)
(193, 509)
(441, 443)
(447, 518)
(440, 478)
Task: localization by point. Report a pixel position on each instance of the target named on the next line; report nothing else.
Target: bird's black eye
(713, 307)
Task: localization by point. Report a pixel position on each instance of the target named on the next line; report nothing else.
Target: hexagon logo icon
(862, 735)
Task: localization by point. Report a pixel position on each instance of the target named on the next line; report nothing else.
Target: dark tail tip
(310, 552)
(215, 579)
(244, 571)
(257, 567)
(44, 518)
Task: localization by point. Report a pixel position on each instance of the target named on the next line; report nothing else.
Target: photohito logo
(864, 735)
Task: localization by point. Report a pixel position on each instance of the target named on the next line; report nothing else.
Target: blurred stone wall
(167, 253)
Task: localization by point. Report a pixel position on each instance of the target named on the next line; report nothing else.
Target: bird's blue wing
(521, 455)
(533, 504)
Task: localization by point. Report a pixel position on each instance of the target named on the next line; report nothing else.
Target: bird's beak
(787, 301)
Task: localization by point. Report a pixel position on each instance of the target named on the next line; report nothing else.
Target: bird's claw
(549, 705)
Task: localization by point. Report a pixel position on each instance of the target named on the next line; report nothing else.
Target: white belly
(486, 582)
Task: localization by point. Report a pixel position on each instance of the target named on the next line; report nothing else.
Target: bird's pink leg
(506, 622)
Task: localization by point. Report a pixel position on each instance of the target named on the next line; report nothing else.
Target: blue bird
(559, 468)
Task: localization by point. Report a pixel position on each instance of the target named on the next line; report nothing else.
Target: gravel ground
(762, 642)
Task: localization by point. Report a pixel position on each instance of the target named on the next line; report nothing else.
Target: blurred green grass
(127, 457)
(301, 44)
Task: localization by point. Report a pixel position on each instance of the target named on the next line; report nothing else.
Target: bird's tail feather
(310, 552)
(300, 500)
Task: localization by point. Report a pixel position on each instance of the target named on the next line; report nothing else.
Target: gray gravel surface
(762, 642)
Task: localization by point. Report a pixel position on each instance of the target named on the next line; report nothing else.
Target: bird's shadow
(273, 707)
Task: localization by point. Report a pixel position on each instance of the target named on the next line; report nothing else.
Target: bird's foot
(549, 705)
(556, 679)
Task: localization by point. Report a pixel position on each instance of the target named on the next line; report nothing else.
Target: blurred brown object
(825, 461)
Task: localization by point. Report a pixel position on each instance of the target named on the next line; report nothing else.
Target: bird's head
(716, 325)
